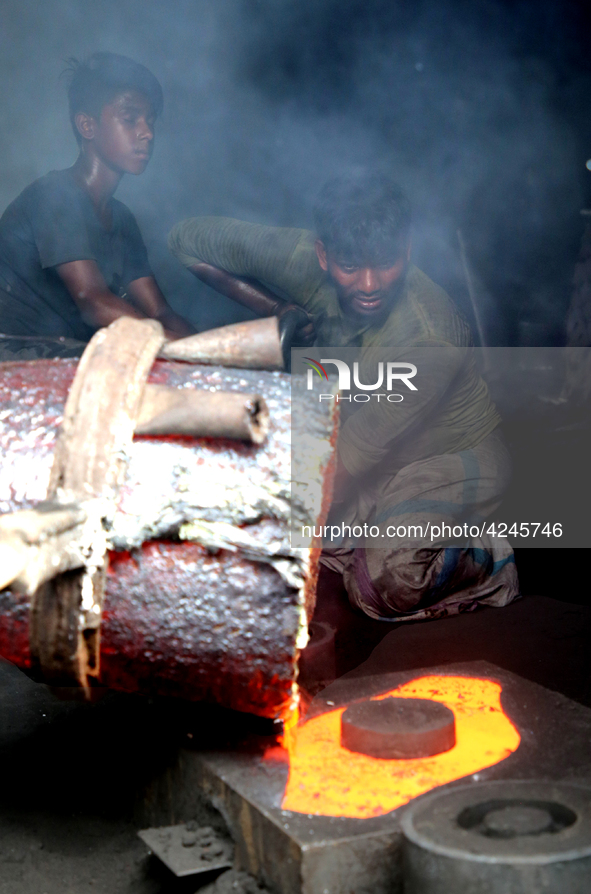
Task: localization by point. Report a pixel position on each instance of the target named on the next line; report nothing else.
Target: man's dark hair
(363, 219)
(96, 81)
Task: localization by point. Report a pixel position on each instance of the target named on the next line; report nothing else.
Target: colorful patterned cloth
(411, 580)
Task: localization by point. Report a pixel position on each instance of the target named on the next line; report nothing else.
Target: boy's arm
(99, 306)
(147, 296)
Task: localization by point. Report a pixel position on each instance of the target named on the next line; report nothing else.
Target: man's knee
(383, 583)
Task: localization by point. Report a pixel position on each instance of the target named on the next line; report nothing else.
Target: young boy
(71, 256)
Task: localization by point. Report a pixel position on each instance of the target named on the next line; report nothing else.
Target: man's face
(366, 293)
(123, 137)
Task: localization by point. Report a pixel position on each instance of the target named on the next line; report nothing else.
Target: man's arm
(99, 306)
(247, 292)
(256, 297)
(280, 258)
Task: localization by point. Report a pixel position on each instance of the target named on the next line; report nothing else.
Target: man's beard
(377, 317)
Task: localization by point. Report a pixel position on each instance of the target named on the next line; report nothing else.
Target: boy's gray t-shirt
(52, 222)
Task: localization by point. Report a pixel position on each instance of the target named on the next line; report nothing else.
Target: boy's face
(366, 293)
(123, 136)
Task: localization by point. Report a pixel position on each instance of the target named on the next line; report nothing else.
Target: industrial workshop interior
(295, 427)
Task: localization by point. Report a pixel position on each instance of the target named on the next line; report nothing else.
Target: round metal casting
(398, 728)
(521, 837)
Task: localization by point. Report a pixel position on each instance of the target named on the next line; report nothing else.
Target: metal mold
(505, 836)
(189, 849)
(293, 853)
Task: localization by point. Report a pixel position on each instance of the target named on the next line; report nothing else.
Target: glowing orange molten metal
(326, 779)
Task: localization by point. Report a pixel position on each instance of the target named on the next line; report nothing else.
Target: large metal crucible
(204, 597)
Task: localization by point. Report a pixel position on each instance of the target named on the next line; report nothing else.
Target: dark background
(480, 108)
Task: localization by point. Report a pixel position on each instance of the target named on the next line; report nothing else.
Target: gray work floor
(543, 639)
(72, 773)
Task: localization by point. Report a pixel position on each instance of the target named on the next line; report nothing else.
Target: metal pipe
(202, 414)
(255, 344)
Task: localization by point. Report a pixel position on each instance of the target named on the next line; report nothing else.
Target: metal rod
(203, 414)
(255, 344)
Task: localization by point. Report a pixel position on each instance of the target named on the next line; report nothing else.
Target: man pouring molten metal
(440, 459)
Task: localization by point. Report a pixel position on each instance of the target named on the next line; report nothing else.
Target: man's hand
(295, 331)
(298, 322)
(258, 298)
(295, 325)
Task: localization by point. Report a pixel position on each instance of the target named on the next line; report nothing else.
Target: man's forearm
(282, 258)
(245, 291)
(298, 332)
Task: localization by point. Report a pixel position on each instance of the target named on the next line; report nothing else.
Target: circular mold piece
(494, 837)
(398, 728)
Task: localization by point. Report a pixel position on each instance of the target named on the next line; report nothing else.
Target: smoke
(264, 99)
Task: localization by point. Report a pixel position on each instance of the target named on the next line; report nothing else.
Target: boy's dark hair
(363, 219)
(96, 81)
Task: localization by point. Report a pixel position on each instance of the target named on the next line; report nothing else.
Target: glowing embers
(326, 779)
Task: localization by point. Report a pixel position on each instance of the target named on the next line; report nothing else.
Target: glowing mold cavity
(325, 779)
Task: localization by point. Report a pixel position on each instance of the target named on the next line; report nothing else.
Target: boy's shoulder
(51, 182)
(123, 211)
(58, 191)
(53, 186)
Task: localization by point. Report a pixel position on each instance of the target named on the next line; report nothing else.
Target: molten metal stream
(326, 779)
